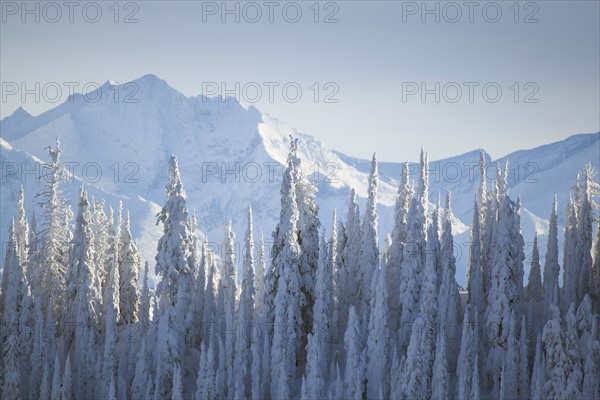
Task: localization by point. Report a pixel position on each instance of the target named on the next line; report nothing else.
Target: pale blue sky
(368, 54)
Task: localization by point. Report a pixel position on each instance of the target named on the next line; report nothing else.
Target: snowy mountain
(231, 156)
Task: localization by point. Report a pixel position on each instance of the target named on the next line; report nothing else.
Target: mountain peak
(15, 119)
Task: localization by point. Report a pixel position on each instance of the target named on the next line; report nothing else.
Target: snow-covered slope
(231, 156)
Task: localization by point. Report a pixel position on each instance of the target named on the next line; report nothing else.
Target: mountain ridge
(221, 144)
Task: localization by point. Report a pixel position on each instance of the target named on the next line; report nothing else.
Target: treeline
(324, 315)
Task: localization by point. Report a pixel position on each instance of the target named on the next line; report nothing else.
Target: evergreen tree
(419, 365)
(205, 382)
(318, 350)
(286, 291)
(410, 274)
(505, 294)
(56, 380)
(177, 383)
(22, 228)
(129, 271)
(13, 277)
(584, 232)
(33, 255)
(523, 372)
(475, 290)
(572, 366)
(378, 340)
(82, 272)
(551, 267)
(556, 381)
(467, 355)
(396, 250)
(308, 239)
(67, 384)
(369, 251)
(228, 296)
(55, 236)
(538, 373)
(534, 289)
(141, 375)
(510, 370)
(354, 372)
(243, 355)
(348, 266)
(109, 363)
(173, 267)
(441, 376)
(449, 298)
(568, 293)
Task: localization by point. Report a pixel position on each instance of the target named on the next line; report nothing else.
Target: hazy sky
(375, 61)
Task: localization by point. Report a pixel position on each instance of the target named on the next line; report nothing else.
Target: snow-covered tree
(596, 265)
(285, 293)
(523, 372)
(481, 196)
(243, 355)
(84, 343)
(551, 267)
(109, 362)
(509, 383)
(534, 290)
(22, 228)
(449, 298)
(308, 239)
(440, 382)
(16, 290)
(129, 270)
(259, 298)
(475, 293)
(468, 352)
(568, 293)
(55, 235)
(56, 380)
(177, 383)
(205, 389)
(410, 273)
(348, 266)
(379, 349)
(104, 235)
(140, 376)
(354, 372)
(505, 293)
(584, 232)
(67, 381)
(176, 280)
(144, 309)
(573, 363)
(538, 373)
(369, 250)
(316, 373)
(33, 273)
(396, 250)
(82, 272)
(419, 364)
(35, 378)
(227, 300)
(556, 381)
(591, 382)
